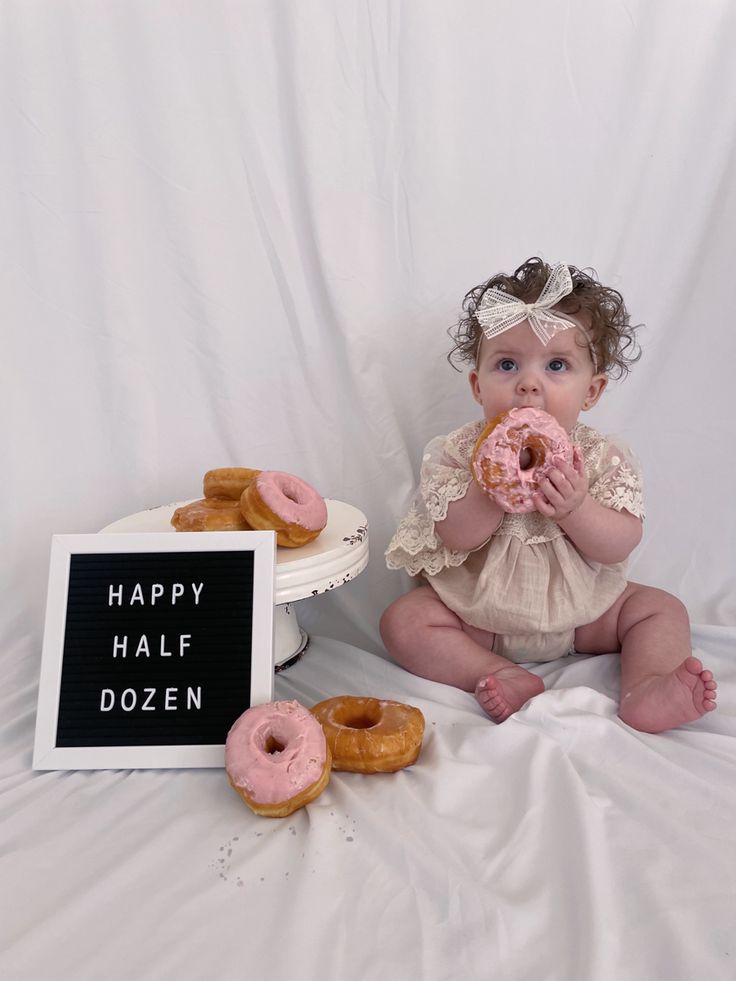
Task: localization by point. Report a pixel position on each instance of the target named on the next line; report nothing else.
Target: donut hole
(364, 721)
(290, 491)
(532, 454)
(272, 746)
(527, 458)
(365, 715)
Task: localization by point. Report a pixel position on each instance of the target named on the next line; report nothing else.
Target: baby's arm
(601, 534)
(470, 521)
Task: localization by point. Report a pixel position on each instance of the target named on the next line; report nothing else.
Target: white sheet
(559, 846)
(235, 234)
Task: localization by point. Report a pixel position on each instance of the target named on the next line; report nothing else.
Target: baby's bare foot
(506, 690)
(665, 701)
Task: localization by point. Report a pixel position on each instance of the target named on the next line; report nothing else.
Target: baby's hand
(563, 490)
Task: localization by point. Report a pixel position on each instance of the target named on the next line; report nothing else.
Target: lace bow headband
(499, 312)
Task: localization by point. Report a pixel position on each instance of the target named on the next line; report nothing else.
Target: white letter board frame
(47, 754)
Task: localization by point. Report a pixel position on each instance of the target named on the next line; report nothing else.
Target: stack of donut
(241, 499)
(278, 756)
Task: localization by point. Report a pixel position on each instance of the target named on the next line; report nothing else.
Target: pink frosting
(498, 457)
(292, 499)
(267, 773)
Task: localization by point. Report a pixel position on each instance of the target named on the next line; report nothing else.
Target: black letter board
(154, 645)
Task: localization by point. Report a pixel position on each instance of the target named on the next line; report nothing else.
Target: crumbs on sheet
(223, 864)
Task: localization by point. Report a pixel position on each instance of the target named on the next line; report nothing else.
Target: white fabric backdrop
(235, 234)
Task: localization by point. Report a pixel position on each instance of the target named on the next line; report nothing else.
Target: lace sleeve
(617, 482)
(444, 478)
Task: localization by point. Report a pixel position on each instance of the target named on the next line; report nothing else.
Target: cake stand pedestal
(337, 555)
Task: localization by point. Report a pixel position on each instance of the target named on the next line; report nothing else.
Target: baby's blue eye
(507, 364)
(557, 364)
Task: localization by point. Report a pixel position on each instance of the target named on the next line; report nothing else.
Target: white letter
(144, 706)
(163, 642)
(137, 596)
(115, 594)
(177, 590)
(132, 700)
(170, 697)
(117, 646)
(194, 699)
(197, 592)
(143, 647)
(183, 642)
(106, 703)
(156, 590)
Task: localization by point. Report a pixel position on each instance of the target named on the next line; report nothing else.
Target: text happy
(157, 591)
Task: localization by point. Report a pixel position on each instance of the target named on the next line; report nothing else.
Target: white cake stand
(339, 554)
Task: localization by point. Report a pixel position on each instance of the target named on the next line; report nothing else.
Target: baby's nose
(528, 383)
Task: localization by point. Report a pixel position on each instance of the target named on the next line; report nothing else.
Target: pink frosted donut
(277, 758)
(285, 504)
(515, 451)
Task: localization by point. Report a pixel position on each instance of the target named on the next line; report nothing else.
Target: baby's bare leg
(662, 684)
(428, 639)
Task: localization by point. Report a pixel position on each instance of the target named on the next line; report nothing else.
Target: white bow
(499, 312)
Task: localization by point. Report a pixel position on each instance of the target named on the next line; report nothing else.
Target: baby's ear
(473, 379)
(595, 390)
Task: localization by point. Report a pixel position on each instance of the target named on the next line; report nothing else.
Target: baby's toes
(709, 691)
(487, 694)
(709, 696)
(490, 700)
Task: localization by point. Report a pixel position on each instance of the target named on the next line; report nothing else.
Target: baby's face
(516, 370)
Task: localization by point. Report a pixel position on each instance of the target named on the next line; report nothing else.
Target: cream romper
(527, 584)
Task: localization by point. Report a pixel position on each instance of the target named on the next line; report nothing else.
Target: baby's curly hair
(606, 318)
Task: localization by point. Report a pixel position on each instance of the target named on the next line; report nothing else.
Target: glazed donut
(515, 451)
(370, 735)
(210, 514)
(277, 758)
(285, 504)
(228, 482)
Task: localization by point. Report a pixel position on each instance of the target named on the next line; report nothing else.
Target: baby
(500, 590)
